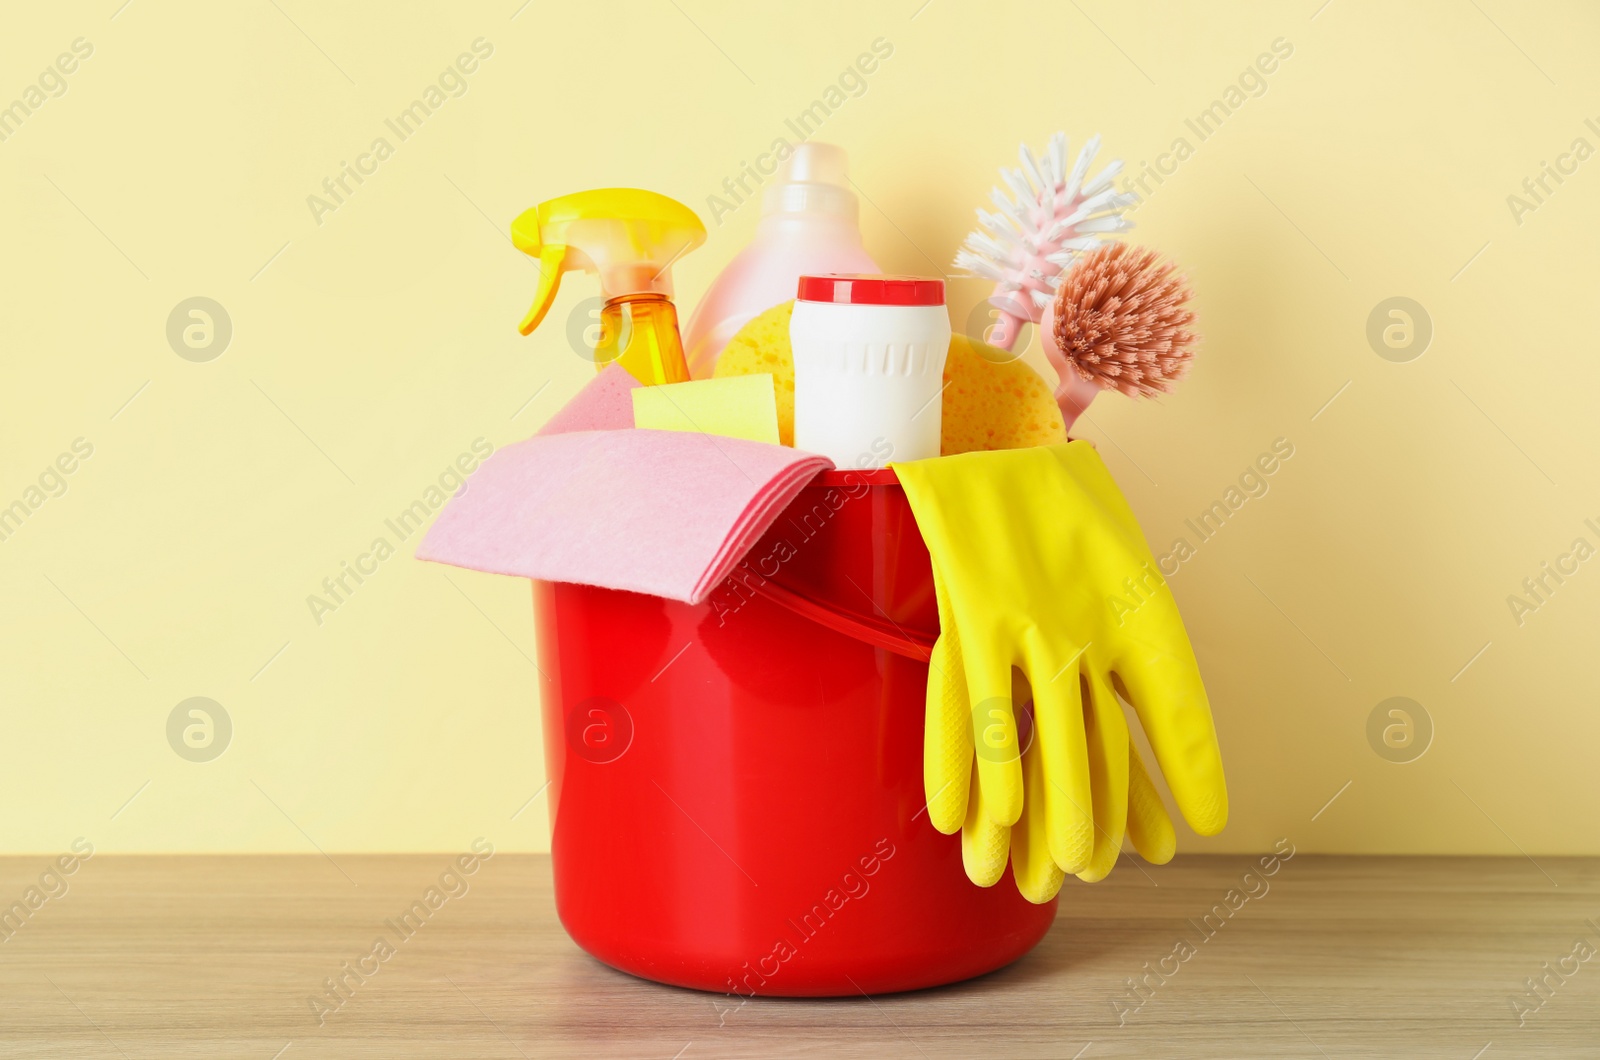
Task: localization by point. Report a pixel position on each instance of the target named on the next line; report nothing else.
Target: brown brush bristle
(1122, 321)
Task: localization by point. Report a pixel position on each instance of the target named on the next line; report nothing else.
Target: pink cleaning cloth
(668, 513)
(604, 404)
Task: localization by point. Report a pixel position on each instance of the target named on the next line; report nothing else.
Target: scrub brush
(1119, 321)
(1032, 239)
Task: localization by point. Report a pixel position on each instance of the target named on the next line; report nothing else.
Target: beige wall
(374, 343)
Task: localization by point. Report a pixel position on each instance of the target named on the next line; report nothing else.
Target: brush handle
(1013, 313)
(1073, 392)
(1007, 329)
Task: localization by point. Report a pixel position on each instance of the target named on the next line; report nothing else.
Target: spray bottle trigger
(552, 263)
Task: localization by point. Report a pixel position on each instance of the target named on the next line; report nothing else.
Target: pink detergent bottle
(809, 226)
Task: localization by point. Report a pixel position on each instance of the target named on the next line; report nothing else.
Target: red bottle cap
(843, 289)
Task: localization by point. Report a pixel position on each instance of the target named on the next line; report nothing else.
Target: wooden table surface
(179, 956)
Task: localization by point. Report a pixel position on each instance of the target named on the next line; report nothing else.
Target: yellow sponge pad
(991, 401)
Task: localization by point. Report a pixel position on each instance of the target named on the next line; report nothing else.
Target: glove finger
(1107, 736)
(1149, 827)
(947, 736)
(994, 727)
(1165, 688)
(984, 844)
(1032, 865)
(1064, 763)
(1157, 669)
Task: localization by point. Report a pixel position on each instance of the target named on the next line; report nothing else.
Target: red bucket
(736, 795)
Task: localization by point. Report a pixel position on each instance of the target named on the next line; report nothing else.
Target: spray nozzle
(628, 236)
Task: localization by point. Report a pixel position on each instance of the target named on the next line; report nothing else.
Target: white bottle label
(868, 381)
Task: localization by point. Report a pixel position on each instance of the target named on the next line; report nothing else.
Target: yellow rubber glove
(1119, 788)
(1040, 566)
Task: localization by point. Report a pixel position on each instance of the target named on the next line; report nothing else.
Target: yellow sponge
(991, 401)
(761, 347)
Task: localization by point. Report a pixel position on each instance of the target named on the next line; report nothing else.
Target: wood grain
(177, 957)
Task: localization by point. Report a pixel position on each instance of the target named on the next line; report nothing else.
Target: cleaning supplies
(808, 225)
(869, 355)
(1039, 564)
(1119, 321)
(732, 407)
(991, 399)
(630, 238)
(1055, 215)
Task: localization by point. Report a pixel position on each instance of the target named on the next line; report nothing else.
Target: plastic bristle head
(1122, 320)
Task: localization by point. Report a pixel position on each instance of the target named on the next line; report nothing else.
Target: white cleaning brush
(1054, 216)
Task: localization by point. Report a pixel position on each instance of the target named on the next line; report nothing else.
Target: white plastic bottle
(809, 225)
(869, 355)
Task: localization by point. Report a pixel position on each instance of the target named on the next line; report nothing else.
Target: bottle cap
(813, 181)
(843, 289)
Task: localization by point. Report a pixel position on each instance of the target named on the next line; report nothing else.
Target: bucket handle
(880, 633)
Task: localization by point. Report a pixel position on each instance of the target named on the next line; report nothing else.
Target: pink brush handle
(1007, 329)
(1073, 396)
(1073, 392)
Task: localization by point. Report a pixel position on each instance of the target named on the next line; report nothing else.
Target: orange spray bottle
(630, 238)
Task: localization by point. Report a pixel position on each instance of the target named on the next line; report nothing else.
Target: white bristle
(999, 224)
(1004, 253)
(982, 244)
(1000, 245)
(1023, 178)
(1040, 299)
(1006, 239)
(1016, 212)
(1018, 184)
(1013, 231)
(1007, 207)
(1104, 177)
(1031, 165)
(1078, 216)
(1058, 159)
(1084, 243)
(1030, 230)
(979, 266)
(1099, 200)
(1090, 148)
(1104, 224)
